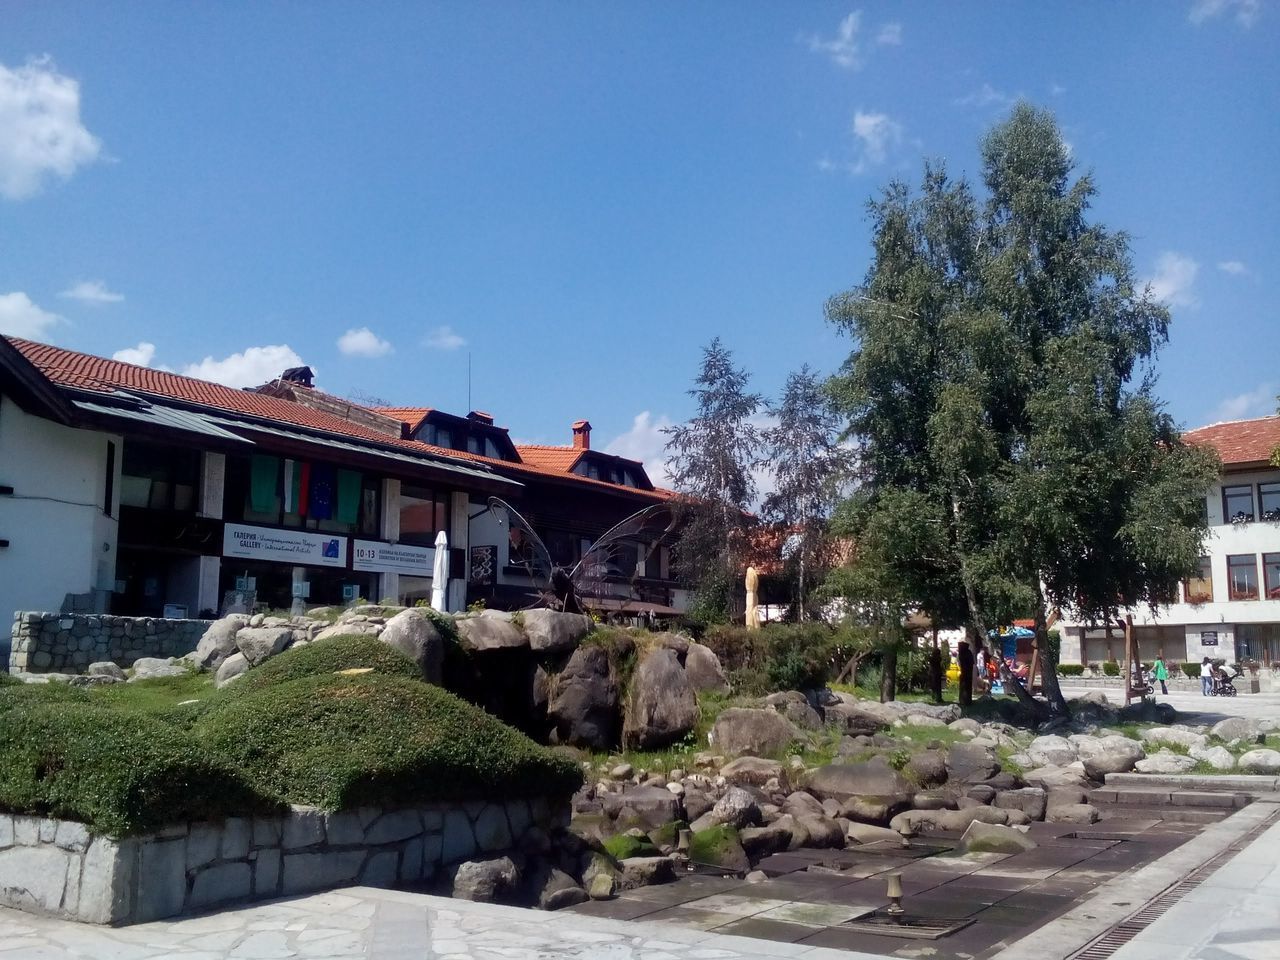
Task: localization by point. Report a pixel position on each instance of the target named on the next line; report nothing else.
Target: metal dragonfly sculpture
(572, 590)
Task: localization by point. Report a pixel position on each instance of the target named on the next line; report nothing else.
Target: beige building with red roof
(1231, 609)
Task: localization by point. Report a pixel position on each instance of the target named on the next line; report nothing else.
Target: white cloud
(986, 96)
(40, 130)
(19, 317)
(1246, 11)
(92, 292)
(1056, 90)
(1173, 280)
(843, 47)
(1233, 267)
(890, 35)
(363, 342)
(444, 338)
(645, 442)
(877, 134)
(1254, 403)
(254, 366)
(140, 356)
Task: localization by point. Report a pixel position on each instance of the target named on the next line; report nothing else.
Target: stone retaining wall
(57, 867)
(68, 643)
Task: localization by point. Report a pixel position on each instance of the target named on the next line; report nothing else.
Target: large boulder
(646, 871)
(644, 807)
(483, 634)
(1030, 800)
(1237, 728)
(927, 769)
(661, 707)
(971, 763)
(752, 771)
(737, 808)
(1073, 813)
(1260, 761)
(234, 666)
(218, 642)
(147, 668)
(1051, 751)
(873, 778)
(719, 846)
(584, 703)
(1219, 758)
(747, 730)
(703, 670)
(1176, 735)
(485, 881)
(550, 631)
(1165, 762)
(761, 841)
(259, 644)
(855, 720)
(1114, 754)
(414, 634)
(793, 705)
(349, 628)
(994, 838)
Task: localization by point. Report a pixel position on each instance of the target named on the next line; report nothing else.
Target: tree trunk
(966, 674)
(1048, 665)
(935, 669)
(889, 674)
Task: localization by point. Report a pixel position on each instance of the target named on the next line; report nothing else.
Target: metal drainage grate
(916, 851)
(884, 924)
(1127, 929)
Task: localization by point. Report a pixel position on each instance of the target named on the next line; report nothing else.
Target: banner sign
(374, 556)
(284, 546)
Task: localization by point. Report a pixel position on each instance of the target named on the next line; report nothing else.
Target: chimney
(480, 416)
(581, 435)
(302, 376)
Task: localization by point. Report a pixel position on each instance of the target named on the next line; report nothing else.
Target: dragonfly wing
(537, 560)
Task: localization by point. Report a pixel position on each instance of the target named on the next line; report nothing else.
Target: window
(1271, 575)
(1237, 504)
(109, 488)
(560, 545)
(491, 449)
(1199, 589)
(1242, 577)
(1269, 501)
(475, 445)
(423, 514)
(155, 477)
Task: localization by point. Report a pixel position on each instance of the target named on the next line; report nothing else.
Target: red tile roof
(554, 458)
(82, 371)
(412, 416)
(1240, 442)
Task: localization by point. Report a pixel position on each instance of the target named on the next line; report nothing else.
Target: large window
(159, 478)
(303, 494)
(1237, 504)
(1271, 574)
(423, 514)
(1199, 589)
(1269, 501)
(1242, 577)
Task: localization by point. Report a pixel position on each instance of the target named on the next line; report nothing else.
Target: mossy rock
(668, 834)
(623, 845)
(719, 847)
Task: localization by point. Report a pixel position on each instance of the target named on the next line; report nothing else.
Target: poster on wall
(484, 565)
(374, 556)
(284, 546)
(1208, 638)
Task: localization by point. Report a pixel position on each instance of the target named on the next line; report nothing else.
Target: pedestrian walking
(1161, 673)
(1206, 677)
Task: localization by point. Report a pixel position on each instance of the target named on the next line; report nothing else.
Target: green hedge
(118, 771)
(1191, 670)
(373, 739)
(1111, 668)
(323, 658)
(776, 657)
(1071, 669)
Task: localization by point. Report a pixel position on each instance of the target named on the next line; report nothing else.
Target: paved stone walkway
(1193, 707)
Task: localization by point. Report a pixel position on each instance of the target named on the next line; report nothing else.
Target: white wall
(60, 541)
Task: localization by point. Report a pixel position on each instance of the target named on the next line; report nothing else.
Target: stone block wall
(57, 867)
(68, 643)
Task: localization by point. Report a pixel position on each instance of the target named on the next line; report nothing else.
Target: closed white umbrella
(440, 572)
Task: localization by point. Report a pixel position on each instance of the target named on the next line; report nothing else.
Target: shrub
(1192, 670)
(1111, 668)
(374, 739)
(324, 658)
(776, 657)
(120, 772)
(9, 680)
(29, 694)
(1071, 669)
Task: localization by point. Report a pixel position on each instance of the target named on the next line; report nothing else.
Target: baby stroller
(1222, 685)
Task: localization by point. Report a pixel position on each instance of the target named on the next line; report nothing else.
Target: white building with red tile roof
(1231, 609)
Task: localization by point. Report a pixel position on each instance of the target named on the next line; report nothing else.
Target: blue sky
(582, 195)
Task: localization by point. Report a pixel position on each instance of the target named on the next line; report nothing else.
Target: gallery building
(139, 492)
